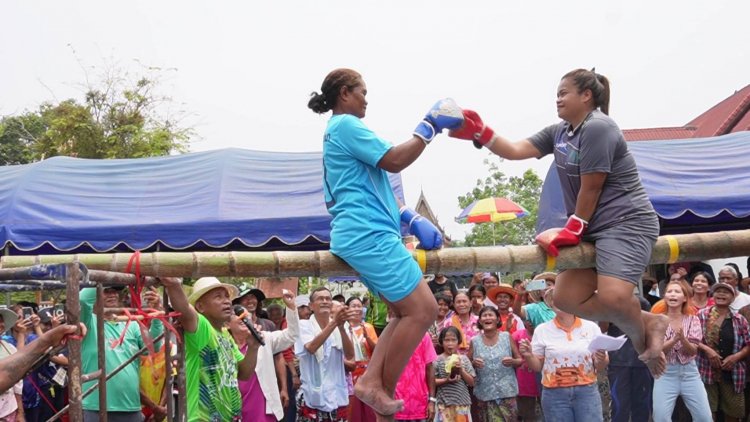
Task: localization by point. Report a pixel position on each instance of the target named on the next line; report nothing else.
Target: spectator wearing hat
(252, 299)
(303, 307)
(213, 361)
(502, 297)
(721, 361)
(321, 348)
(11, 405)
(530, 305)
(261, 399)
(728, 275)
(122, 341)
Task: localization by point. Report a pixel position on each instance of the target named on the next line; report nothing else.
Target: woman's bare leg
(414, 315)
(604, 298)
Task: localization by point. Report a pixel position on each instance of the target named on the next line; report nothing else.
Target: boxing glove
(570, 235)
(428, 235)
(474, 130)
(445, 114)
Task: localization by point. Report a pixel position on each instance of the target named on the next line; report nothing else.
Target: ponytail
(329, 90)
(597, 83)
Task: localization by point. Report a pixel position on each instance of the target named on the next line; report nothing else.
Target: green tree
(525, 191)
(120, 116)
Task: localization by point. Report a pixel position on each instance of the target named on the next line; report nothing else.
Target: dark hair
(489, 309)
(517, 281)
(330, 89)
(339, 298)
(450, 329)
(476, 287)
(444, 298)
(460, 292)
(316, 290)
(705, 274)
(352, 299)
(598, 85)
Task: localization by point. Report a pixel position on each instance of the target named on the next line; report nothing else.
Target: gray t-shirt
(596, 146)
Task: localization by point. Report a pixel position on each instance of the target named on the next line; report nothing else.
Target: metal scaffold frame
(72, 277)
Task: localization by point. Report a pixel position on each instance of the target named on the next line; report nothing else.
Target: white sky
(245, 69)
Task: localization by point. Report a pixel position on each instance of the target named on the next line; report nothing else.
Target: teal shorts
(385, 266)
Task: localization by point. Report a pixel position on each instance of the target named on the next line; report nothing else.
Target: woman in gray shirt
(606, 203)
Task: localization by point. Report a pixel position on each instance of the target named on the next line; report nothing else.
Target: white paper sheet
(605, 342)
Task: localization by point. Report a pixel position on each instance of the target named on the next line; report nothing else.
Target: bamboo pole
(689, 247)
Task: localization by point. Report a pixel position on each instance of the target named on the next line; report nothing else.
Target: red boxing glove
(570, 235)
(473, 129)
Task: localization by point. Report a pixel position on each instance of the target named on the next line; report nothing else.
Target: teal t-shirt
(538, 313)
(211, 358)
(123, 389)
(357, 192)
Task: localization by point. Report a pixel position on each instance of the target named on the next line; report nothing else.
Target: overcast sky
(245, 69)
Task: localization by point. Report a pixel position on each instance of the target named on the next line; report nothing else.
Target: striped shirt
(693, 332)
(453, 393)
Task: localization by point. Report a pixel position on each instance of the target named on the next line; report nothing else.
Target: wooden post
(73, 316)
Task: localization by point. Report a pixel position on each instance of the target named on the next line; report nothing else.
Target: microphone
(244, 316)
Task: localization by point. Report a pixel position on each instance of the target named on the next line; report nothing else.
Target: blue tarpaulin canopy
(695, 185)
(231, 198)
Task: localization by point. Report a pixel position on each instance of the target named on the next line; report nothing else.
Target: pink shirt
(468, 331)
(526, 378)
(412, 386)
(691, 328)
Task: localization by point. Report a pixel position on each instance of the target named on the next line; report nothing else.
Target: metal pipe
(101, 356)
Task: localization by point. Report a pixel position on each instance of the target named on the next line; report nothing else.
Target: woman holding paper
(681, 378)
(559, 350)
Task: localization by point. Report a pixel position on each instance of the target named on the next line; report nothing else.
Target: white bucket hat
(9, 318)
(205, 284)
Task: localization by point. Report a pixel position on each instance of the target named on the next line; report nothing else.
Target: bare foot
(376, 397)
(655, 327)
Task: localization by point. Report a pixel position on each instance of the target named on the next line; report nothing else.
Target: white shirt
(276, 342)
(742, 300)
(8, 403)
(323, 383)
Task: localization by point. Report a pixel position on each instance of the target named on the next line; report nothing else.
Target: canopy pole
(678, 248)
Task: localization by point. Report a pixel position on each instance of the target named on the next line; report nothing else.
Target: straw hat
(502, 288)
(205, 284)
(9, 317)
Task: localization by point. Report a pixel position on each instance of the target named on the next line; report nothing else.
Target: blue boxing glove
(429, 236)
(445, 114)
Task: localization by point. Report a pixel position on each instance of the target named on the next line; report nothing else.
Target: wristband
(433, 399)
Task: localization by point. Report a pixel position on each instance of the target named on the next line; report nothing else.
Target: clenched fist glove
(428, 235)
(570, 235)
(445, 114)
(474, 130)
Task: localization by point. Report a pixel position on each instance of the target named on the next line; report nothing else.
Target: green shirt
(377, 312)
(211, 359)
(123, 389)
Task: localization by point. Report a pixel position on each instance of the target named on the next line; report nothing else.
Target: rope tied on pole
(143, 317)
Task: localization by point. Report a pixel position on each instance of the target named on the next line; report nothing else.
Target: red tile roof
(728, 116)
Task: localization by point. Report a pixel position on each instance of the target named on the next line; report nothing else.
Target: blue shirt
(358, 193)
